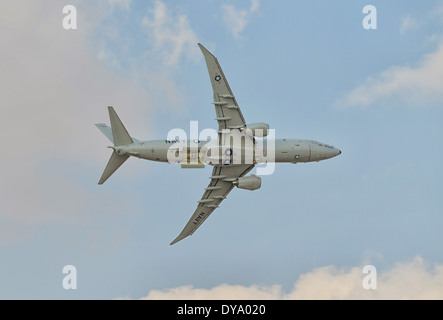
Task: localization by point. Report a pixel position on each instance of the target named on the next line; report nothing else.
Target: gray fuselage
(285, 150)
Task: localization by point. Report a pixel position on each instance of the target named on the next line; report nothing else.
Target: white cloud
(415, 279)
(237, 19)
(170, 34)
(418, 86)
(124, 4)
(53, 91)
(55, 85)
(408, 23)
(223, 291)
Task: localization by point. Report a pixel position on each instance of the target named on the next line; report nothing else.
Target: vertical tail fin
(119, 132)
(120, 137)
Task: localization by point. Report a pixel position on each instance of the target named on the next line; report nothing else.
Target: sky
(307, 68)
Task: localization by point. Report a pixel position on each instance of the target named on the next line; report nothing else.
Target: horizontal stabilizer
(113, 164)
(107, 131)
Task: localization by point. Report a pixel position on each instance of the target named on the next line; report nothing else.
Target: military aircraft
(232, 159)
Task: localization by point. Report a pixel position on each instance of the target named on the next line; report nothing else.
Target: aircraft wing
(229, 115)
(217, 190)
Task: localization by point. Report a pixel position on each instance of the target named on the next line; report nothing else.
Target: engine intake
(263, 129)
(251, 182)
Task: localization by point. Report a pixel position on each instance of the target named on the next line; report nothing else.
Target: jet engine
(262, 127)
(251, 182)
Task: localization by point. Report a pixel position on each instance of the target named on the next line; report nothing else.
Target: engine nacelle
(262, 127)
(251, 182)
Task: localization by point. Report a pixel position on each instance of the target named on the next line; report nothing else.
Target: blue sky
(308, 68)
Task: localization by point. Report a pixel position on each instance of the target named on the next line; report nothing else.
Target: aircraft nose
(335, 152)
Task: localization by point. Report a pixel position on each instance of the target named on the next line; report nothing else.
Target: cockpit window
(322, 144)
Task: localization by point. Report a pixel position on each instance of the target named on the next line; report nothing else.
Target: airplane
(231, 161)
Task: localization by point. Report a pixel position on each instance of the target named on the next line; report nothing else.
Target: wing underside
(229, 115)
(229, 118)
(217, 190)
